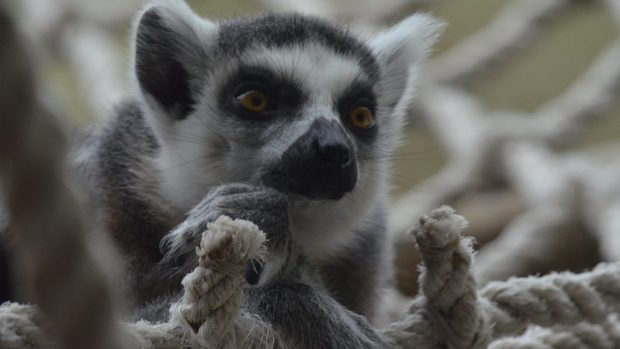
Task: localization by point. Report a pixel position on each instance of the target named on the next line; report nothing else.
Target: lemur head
(283, 100)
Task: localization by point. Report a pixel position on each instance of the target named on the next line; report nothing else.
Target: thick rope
(446, 280)
(207, 316)
(23, 326)
(555, 299)
(449, 313)
(575, 308)
(581, 336)
(209, 309)
(446, 313)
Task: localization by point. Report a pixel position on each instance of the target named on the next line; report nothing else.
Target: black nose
(320, 164)
(332, 152)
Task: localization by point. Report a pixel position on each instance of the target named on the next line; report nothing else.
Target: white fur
(400, 50)
(182, 185)
(323, 228)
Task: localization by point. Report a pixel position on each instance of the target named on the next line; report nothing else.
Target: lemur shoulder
(282, 119)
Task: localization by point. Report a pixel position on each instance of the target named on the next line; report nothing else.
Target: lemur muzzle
(320, 164)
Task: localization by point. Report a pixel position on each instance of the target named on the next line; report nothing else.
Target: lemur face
(284, 100)
(299, 104)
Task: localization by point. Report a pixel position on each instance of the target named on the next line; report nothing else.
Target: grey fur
(293, 298)
(308, 318)
(297, 302)
(354, 278)
(168, 163)
(115, 164)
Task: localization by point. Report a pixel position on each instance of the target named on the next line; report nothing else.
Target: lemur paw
(265, 207)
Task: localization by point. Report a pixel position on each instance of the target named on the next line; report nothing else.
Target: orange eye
(254, 101)
(361, 117)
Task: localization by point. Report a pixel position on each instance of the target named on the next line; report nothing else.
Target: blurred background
(516, 125)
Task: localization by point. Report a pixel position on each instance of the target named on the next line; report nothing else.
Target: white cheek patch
(187, 166)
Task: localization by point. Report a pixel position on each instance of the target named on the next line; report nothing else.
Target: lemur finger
(230, 189)
(216, 193)
(265, 199)
(263, 206)
(174, 250)
(271, 216)
(186, 235)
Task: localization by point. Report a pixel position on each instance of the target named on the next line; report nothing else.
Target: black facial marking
(359, 94)
(281, 30)
(159, 72)
(285, 96)
(320, 164)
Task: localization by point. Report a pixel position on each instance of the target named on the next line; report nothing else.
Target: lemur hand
(265, 207)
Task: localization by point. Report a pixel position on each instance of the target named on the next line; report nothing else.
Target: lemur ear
(400, 50)
(169, 48)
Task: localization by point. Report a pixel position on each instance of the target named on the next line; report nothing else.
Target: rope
(581, 336)
(446, 313)
(555, 299)
(209, 308)
(561, 310)
(207, 316)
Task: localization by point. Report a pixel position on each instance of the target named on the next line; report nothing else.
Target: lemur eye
(254, 101)
(361, 117)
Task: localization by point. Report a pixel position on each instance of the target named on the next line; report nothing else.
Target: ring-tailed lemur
(282, 119)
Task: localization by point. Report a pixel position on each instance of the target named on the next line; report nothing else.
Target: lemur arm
(288, 291)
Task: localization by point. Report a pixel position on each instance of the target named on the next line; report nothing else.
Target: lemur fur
(183, 150)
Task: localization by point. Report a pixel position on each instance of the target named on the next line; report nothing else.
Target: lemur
(285, 120)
